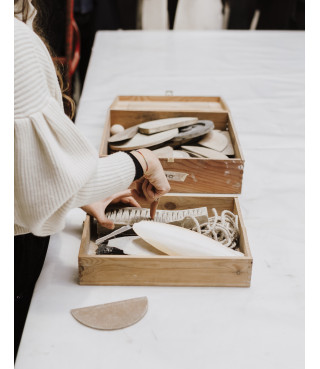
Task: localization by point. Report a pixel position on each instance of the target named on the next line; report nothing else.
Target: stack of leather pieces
(168, 138)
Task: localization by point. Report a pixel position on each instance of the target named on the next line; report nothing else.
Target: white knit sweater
(56, 169)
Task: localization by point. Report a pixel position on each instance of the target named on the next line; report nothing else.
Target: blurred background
(71, 24)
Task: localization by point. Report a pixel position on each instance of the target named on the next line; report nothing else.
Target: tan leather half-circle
(114, 315)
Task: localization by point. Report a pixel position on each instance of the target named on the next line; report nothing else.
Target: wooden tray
(191, 175)
(168, 270)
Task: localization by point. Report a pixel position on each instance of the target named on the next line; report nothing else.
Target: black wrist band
(139, 169)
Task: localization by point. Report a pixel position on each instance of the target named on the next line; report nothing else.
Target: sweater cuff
(114, 173)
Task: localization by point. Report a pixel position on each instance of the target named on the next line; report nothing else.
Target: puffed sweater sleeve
(56, 168)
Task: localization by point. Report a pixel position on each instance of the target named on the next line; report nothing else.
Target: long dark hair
(69, 105)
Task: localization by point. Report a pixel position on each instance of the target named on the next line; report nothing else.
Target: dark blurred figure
(55, 25)
(84, 17)
(274, 14)
(57, 14)
(172, 8)
(27, 268)
(115, 14)
(95, 15)
(90, 16)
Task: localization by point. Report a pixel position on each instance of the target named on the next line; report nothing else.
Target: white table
(261, 76)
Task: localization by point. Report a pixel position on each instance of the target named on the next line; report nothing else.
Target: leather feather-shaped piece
(214, 140)
(205, 152)
(160, 125)
(140, 140)
(114, 315)
(178, 241)
(124, 135)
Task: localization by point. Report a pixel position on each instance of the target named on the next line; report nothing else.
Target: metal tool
(112, 234)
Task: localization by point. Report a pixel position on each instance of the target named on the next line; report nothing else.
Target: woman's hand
(154, 183)
(97, 209)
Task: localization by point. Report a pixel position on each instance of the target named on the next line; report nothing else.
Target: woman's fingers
(138, 195)
(98, 208)
(154, 174)
(126, 197)
(131, 201)
(138, 184)
(151, 191)
(147, 191)
(144, 189)
(153, 208)
(105, 222)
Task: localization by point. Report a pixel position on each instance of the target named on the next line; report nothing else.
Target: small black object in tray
(104, 249)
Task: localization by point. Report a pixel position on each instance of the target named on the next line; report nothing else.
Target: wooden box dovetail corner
(168, 270)
(186, 175)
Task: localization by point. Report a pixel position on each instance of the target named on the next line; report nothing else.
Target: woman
(56, 169)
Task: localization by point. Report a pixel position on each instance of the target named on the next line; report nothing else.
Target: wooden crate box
(168, 270)
(187, 175)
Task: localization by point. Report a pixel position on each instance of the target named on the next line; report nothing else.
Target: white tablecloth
(261, 76)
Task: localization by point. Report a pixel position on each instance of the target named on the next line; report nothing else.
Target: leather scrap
(114, 315)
